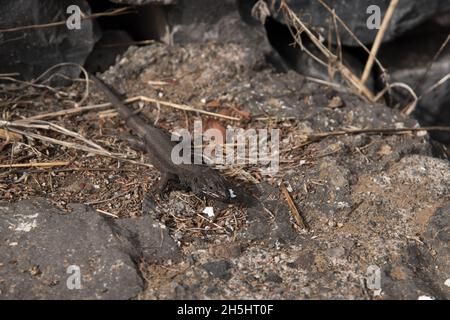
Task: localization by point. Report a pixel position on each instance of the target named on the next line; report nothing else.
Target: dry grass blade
(36, 165)
(51, 126)
(66, 112)
(129, 100)
(378, 39)
(430, 64)
(63, 143)
(182, 107)
(409, 108)
(331, 57)
(107, 213)
(436, 85)
(77, 146)
(349, 31)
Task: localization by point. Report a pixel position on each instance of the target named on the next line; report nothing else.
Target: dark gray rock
(273, 277)
(144, 2)
(38, 243)
(407, 15)
(32, 51)
(220, 21)
(272, 222)
(408, 59)
(150, 238)
(202, 20)
(305, 261)
(219, 269)
(106, 50)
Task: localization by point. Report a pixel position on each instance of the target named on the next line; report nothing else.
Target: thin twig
(35, 83)
(107, 213)
(430, 64)
(321, 135)
(127, 44)
(293, 208)
(409, 108)
(349, 31)
(67, 112)
(51, 126)
(109, 199)
(439, 83)
(63, 22)
(354, 37)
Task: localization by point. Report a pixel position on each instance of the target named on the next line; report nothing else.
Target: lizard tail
(133, 121)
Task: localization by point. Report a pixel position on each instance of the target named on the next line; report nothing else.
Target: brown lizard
(200, 179)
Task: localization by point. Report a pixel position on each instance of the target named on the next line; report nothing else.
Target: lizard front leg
(135, 143)
(161, 189)
(165, 183)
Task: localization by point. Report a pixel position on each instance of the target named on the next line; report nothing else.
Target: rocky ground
(375, 204)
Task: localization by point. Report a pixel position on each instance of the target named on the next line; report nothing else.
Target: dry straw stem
(436, 85)
(430, 64)
(66, 112)
(10, 136)
(116, 12)
(183, 107)
(331, 57)
(378, 39)
(97, 150)
(36, 165)
(108, 213)
(321, 135)
(127, 44)
(51, 126)
(349, 31)
(411, 106)
(127, 101)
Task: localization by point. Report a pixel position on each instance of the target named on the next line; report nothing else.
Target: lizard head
(212, 186)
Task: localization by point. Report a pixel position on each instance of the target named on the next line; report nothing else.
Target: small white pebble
(209, 211)
(425, 298)
(447, 282)
(289, 188)
(399, 125)
(377, 293)
(421, 133)
(232, 195)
